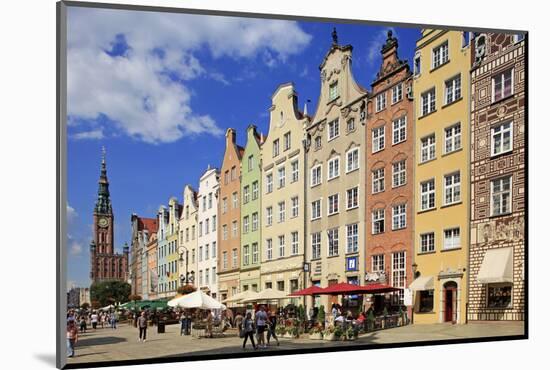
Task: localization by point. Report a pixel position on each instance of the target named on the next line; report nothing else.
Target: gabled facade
(207, 261)
(251, 211)
(497, 249)
(142, 229)
(229, 214)
(151, 291)
(442, 138)
(389, 175)
(188, 240)
(172, 239)
(162, 253)
(282, 200)
(335, 188)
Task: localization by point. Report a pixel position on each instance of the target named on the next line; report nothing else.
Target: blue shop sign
(352, 263)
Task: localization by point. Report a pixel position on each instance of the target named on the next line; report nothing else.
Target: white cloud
(71, 213)
(375, 44)
(75, 248)
(96, 134)
(144, 89)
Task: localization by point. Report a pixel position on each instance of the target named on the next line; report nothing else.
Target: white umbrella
(197, 299)
(240, 296)
(107, 308)
(267, 294)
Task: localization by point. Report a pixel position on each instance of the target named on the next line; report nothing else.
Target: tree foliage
(134, 297)
(110, 292)
(85, 305)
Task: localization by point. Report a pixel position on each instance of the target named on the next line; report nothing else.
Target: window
(397, 93)
(246, 195)
(246, 224)
(378, 180)
(399, 130)
(207, 226)
(427, 242)
(282, 211)
(200, 253)
(501, 196)
(207, 276)
(316, 245)
(333, 129)
(269, 216)
(427, 101)
(378, 138)
(226, 177)
(499, 295)
(200, 277)
(333, 204)
(281, 176)
(294, 209)
(350, 125)
(427, 148)
(316, 209)
(378, 263)
(295, 171)
(235, 229)
(281, 286)
(233, 173)
(503, 85)
(333, 168)
(501, 138)
(187, 234)
(316, 175)
(255, 253)
(380, 101)
(269, 249)
(452, 90)
(224, 205)
(255, 221)
(209, 200)
(451, 238)
(224, 232)
(352, 160)
(286, 141)
(224, 260)
(235, 201)
(268, 183)
(399, 216)
(417, 64)
(352, 200)
(294, 243)
(200, 228)
(268, 285)
(440, 55)
(250, 163)
(234, 257)
(378, 221)
(427, 195)
(213, 275)
(281, 245)
(398, 273)
(332, 235)
(255, 190)
(426, 303)
(399, 174)
(452, 188)
(213, 249)
(246, 255)
(318, 142)
(333, 91)
(352, 232)
(466, 37)
(453, 138)
(204, 203)
(275, 147)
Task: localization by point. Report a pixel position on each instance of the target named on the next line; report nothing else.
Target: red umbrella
(348, 289)
(341, 288)
(376, 288)
(312, 290)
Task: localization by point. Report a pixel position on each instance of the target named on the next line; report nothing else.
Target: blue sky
(158, 91)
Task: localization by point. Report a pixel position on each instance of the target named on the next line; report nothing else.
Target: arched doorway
(449, 298)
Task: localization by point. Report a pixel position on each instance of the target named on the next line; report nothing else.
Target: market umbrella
(312, 290)
(159, 305)
(197, 299)
(107, 308)
(376, 289)
(240, 296)
(267, 294)
(340, 288)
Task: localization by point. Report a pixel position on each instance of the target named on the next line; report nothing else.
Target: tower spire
(334, 36)
(103, 203)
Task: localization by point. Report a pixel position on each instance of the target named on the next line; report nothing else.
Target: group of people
(78, 322)
(263, 323)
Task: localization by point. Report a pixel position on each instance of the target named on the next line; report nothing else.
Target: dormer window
(333, 91)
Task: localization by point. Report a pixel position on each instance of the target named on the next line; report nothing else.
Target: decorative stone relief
(511, 229)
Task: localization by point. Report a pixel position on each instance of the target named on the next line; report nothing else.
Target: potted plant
(321, 316)
(370, 320)
(351, 333)
(329, 333)
(293, 331)
(338, 332)
(280, 331)
(316, 333)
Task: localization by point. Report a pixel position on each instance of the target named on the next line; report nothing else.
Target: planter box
(287, 335)
(330, 337)
(316, 336)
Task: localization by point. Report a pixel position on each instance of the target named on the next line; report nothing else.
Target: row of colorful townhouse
(417, 183)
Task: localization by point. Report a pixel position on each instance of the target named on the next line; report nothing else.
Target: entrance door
(450, 301)
(332, 298)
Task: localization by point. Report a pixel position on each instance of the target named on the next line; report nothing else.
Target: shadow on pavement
(98, 341)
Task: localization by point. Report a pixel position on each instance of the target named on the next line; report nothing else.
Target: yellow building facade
(441, 215)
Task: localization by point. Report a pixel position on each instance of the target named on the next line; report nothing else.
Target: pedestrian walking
(72, 336)
(142, 327)
(114, 319)
(209, 320)
(261, 322)
(94, 319)
(271, 326)
(83, 324)
(248, 330)
(239, 321)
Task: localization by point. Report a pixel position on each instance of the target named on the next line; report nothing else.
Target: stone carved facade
(495, 55)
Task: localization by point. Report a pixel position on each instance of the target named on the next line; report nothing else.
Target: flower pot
(316, 336)
(330, 337)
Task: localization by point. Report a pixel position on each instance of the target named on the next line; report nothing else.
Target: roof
(240, 151)
(149, 224)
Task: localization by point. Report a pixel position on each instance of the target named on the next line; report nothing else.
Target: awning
(497, 266)
(422, 283)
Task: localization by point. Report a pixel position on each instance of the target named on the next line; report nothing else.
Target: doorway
(449, 294)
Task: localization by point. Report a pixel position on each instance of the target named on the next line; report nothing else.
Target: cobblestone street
(122, 344)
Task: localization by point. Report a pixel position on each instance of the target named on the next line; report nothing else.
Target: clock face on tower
(103, 222)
